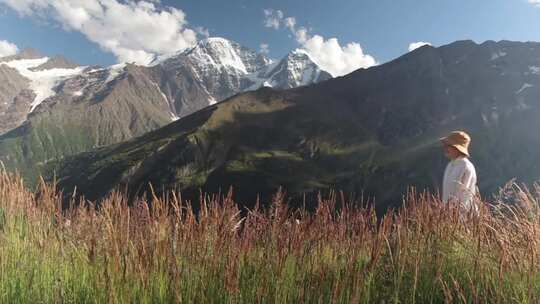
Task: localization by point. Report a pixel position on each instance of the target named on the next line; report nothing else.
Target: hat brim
(460, 148)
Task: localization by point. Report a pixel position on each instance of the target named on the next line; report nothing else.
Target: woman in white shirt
(459, 182)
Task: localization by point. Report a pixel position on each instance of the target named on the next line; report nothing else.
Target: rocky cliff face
(15, 98)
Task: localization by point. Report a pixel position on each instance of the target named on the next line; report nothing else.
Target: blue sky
(383, 28)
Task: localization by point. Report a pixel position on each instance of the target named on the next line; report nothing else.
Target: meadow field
(161, 251)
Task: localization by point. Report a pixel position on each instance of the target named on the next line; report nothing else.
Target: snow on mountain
(222, 53)
(214, 54)
(114, 71)
(211, 71)
(296, 69)
(225, 68)
(42, 82)
(216, 69)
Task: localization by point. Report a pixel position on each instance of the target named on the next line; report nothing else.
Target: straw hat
(459, 140)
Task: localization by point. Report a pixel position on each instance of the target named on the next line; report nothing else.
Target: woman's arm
(463, 186)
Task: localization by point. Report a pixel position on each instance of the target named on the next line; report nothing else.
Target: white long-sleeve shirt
(459, 183)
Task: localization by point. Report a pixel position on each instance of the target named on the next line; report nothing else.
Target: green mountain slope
(373, 132)
(90, 107)
(69, 124)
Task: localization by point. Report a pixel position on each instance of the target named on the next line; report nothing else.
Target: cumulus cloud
(336, 59)
(534, 2)
(329, 54)
(7, 48)
(413, 46)
(264, 48)
(134, 31)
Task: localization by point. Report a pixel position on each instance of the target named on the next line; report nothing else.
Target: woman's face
(451, 152)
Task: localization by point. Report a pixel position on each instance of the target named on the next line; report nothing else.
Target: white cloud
(273, 18)
(413, 46)
(329, 54)
(25, 7)
(336, 59)
(134, 31)
(290, 23)
(534, 2)
(7, 48)
(301, 35)
(204, 32)
(264, 48)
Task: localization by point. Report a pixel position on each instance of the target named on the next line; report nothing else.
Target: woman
(459, 182)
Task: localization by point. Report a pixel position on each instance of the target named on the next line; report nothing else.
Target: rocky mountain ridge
(372, 133)
(51, 108)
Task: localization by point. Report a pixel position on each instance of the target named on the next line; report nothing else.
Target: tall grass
(161, 251)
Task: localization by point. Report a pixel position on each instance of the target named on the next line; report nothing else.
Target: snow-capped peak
(215, 42)
(300, 55)
(296, 69)
(211, 42)
(300, 52)
(221, 53)
(217, 53)
(305, 56)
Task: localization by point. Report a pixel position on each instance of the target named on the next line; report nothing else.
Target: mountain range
(372, 133)
(219, 115)
(51, 108)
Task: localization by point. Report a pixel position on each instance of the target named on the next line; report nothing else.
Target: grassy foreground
(161, 252)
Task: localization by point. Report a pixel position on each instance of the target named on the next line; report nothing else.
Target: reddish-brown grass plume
(161, 251)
